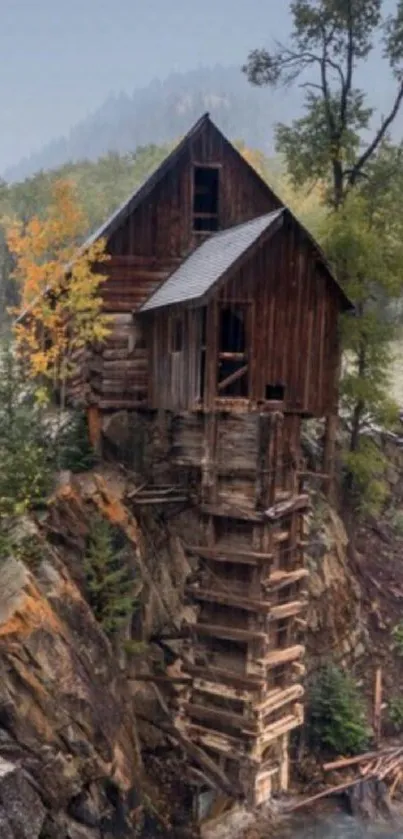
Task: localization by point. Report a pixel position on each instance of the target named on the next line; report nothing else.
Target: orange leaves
(59, 286)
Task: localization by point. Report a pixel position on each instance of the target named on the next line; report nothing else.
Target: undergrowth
(336, 720)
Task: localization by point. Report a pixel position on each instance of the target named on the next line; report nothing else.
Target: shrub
(75, 450)
(397, 635)
(395, 712)
(335, 713)
(26, 456)
(397, 522)
(110, 582)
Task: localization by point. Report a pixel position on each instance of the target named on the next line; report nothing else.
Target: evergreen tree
(110, 582)
(26, 452)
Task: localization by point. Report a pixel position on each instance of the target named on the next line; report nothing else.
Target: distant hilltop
(162, 112)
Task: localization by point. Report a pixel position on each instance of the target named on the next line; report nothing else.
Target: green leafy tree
(110, 582)
(330, 40)
(364, 241)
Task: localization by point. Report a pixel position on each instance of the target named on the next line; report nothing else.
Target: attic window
(205, 198)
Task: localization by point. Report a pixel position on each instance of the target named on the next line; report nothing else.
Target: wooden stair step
(226, 598)
(233, 694)
(222, 717)
(276, 658)
(227, 633)
(280, 579)
(287, 610)
(227, 553)
(220, 675)
(282, 726)
(275, 699)
(233, 512)
(296, 503)
(227, 744)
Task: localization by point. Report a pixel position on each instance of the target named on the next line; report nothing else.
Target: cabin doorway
(233, 368)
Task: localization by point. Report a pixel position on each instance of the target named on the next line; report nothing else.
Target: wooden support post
(377, 705)
(95, 427)
(284, 763)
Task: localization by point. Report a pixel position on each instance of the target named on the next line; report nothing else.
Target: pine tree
(109, 580)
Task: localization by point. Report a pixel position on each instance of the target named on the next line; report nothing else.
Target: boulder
(22, 812)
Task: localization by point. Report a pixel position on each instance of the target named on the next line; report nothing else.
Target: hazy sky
(61, 58)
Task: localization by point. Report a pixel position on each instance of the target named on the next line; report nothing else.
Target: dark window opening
(275, 393)
(232, 353)
(205, 198)
(177, 335)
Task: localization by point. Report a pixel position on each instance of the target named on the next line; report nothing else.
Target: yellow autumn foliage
(60, 312)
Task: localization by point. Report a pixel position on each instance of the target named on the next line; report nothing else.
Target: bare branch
(387, 122)
(346, 86)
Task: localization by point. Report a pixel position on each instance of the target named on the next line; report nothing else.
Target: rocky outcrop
(70, 765)
(68, 752)
(336, 624)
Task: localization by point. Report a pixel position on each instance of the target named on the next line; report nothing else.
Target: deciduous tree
(60, 304)
(329, 41)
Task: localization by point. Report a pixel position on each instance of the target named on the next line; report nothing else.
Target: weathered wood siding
(292, 333)
(162, 226)
(176, 380)
(152, 242)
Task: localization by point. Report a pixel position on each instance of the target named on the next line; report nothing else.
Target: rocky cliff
(70, 766)
(76, 752)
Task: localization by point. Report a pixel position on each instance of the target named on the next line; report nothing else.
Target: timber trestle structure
(245, 646)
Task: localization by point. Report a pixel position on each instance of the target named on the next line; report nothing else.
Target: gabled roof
(210, 262)
(130, 204)
(124, 211)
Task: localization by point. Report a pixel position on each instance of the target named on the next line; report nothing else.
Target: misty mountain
(163, 111)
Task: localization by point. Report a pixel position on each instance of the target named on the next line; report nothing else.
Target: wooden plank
(238, 374)
(377, 705)
(285, 508)
(229, 554)
(278, 657)
(225, 598)
(229, 677)
(229, 511)
(227, 744)
(224, 691)
(287, 610)
(227, 632)
(278, 580)
(277, 698)
(276, 729)
(208, 712)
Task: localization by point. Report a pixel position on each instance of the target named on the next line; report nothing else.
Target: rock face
(68, 752)
(70, 766)
(336, 625)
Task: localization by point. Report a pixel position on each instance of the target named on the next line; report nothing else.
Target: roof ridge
(209, 262)
(272, 213)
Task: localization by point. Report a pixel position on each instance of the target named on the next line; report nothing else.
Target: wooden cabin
(248, 321)
(226, 329)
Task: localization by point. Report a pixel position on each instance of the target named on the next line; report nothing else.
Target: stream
(341, 826)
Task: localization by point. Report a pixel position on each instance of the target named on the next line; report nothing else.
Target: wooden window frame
(245, 370)
(218, 168)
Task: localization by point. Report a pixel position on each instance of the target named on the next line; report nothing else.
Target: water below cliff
(341, 826)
